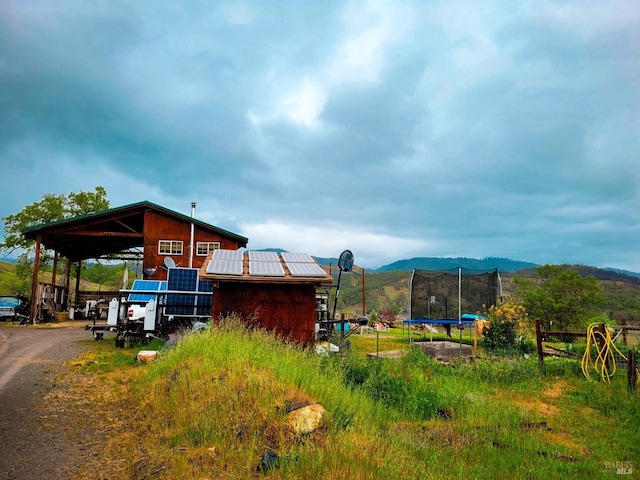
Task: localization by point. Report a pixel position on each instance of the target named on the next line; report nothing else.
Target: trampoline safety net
(434, 293)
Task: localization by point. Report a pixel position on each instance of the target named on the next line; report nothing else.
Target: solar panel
(220, 254)
(306, 270)
(255, 256)
(146, 285)
(291, 257)
(204, 301)
(270, 269)
(185, 280)
(225, 267)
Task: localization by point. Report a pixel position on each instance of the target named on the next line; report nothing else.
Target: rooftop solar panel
(306, 269)
(271, 269)
(297, 257)
(255, 256)
(225, 267)
(221, 254)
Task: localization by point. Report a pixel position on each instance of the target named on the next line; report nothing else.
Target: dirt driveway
(35, 442)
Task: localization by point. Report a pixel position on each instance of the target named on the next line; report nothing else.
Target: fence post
(539, 344)
(624, 331)
(632, 372)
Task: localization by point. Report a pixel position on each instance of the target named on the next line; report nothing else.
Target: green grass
(213, 405)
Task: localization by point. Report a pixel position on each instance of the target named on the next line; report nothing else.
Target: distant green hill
(435, 263)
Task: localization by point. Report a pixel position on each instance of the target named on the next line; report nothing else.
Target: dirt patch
(542, 409)
(52, 419)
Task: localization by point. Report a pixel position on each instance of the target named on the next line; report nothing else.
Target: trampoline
(467, 319)
(438, 297)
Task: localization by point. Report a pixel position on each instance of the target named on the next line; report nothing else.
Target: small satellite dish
(345, 262)
(169, 262)
(150, 271)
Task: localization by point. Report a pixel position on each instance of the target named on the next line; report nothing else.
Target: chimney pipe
(193, 215)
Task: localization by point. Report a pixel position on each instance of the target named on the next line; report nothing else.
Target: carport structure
(142, 230)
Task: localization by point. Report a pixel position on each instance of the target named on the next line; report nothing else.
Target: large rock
(306, 419)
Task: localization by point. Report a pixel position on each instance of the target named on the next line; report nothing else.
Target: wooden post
(539, 344)
(55, 270)
(67, 274)
(624, 331)
(78, 272)
(475, 337)
(34, 282)
(364, 302)
(632, 372)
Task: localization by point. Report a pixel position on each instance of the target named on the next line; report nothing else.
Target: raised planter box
(443, 350)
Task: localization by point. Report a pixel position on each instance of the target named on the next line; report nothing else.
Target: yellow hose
(604, 363)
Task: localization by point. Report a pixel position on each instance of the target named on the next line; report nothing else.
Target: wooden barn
(267, 289)
(144, 230)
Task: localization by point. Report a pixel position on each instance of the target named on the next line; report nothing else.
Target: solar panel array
(187, 280)
(264, 264)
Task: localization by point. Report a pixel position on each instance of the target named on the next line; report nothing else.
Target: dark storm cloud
(412, 129)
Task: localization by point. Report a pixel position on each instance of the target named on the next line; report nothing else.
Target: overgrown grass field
(213, 405)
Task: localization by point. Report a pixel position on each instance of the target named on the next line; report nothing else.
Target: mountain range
(487, 263)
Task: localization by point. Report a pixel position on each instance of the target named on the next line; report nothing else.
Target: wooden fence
(545, 335)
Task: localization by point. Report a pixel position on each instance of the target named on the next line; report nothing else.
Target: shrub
(501, 338)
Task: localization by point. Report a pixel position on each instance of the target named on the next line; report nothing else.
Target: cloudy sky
(394, 129)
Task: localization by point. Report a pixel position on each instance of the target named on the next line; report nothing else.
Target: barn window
(170, 247)
(204, 248)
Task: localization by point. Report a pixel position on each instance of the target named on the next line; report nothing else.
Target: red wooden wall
(287, 309)
(159, 227)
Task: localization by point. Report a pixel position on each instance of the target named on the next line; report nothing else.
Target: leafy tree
(50, 208)
(559, 297)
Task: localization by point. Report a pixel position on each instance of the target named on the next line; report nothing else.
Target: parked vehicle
(8, 307)
(136, 312)
(11, 307)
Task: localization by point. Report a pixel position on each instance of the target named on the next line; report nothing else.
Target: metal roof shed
(267, 290)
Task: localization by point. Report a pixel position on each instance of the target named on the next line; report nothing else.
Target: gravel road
(36, 443)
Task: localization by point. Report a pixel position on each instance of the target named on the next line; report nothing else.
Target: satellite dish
(169, 262)
(345, 262)
(150, 271)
